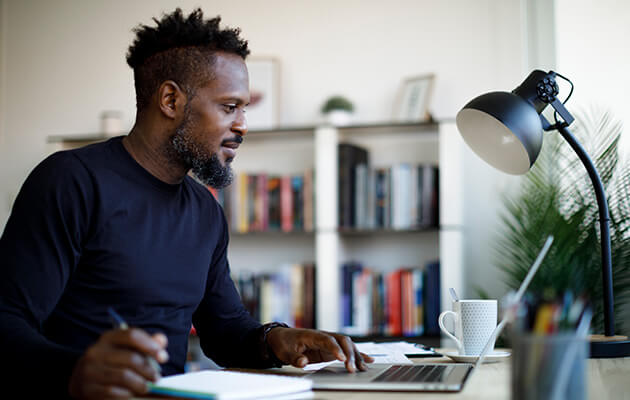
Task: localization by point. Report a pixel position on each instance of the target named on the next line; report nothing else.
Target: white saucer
(492, 357)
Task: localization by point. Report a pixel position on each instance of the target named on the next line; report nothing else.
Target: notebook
(417, 377)
(230, 385)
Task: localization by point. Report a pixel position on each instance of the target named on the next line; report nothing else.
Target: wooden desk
(607, 379)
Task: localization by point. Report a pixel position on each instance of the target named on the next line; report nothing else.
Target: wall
(592, 51)
(65, 65)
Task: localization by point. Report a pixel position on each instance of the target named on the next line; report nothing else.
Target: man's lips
(231, 145)
(229, 149)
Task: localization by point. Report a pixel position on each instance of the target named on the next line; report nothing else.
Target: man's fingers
(123, 378)
(361, 364)
(138, 340)
(349, 351)
(161, 339)
(300, 362)
(132, 360)
(367, 358)
(329, 344)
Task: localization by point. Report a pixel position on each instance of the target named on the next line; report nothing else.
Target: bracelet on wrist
(268, 354)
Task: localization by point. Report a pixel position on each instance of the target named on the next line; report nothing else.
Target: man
(120, 224)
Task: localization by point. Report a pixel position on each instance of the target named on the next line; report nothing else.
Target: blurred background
(62, 63)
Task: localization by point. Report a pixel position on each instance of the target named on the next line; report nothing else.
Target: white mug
(474, 322)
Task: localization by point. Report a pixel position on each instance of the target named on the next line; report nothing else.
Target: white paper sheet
(383, 353)
(220, 385)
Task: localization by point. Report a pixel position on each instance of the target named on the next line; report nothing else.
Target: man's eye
(229, 108)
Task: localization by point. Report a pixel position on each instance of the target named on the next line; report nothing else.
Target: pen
(120, 323)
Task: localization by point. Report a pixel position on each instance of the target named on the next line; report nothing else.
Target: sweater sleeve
(39, 250)
(227, 332)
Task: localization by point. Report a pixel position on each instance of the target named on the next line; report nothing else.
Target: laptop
(425, 377)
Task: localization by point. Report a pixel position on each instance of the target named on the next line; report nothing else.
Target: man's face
(214, 122)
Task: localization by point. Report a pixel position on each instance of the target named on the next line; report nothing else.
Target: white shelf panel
(281, 155)
(395, 147)
(266, 251)
(390, 250)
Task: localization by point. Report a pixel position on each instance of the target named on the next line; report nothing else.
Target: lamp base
(609, 346)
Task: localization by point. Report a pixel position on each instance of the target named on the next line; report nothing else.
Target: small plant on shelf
(338, 110)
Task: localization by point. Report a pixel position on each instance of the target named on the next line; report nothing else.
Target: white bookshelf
(290, 151)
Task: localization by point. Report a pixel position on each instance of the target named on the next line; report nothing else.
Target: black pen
(119, 323)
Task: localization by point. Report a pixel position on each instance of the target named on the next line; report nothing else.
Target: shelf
(345, 232)
(272, 233)
(431, 341)
(360, 232)
(372, 128)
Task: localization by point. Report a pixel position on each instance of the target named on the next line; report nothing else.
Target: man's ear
(171, 99)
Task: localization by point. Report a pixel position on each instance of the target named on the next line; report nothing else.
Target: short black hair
(179, 48)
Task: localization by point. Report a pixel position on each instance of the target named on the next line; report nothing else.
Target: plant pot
(339, 117)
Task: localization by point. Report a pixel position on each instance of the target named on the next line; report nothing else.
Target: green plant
(556, 197)
(337, 103)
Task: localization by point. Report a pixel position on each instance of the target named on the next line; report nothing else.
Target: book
(381, 198)
(286, 204)
(430, 196)
(394, 306)
(401, 196)
(273, 187)
(349, 157)
(309, 222)
(297, 193)
(432, 298)
(217, 384)
(361, 196)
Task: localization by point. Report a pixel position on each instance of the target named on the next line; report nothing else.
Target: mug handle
(443, 328)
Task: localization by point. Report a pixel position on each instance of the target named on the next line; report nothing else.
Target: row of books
(262, 202)
(404, 302)
(287, 294)
(402, 196)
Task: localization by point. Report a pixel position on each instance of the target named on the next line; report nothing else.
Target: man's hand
(116, 366)
(299, 347)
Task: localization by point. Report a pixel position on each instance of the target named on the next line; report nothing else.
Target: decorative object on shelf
(111, 123)
(264, 90)
(414, 95)
(338, 111)
(506, 130)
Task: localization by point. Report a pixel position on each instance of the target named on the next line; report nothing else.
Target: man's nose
(239, 126)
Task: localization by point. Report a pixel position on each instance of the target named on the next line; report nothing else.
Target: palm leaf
(557, 197)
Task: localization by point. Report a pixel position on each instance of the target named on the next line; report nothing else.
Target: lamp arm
(604, 220)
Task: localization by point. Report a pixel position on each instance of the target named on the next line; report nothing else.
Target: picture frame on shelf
(412, 102)
(264, 87)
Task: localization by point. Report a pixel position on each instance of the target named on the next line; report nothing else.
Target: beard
(206, 166)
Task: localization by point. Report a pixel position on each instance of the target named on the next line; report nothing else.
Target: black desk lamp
(505, 130)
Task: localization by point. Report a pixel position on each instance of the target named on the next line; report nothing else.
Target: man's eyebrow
(235, 99)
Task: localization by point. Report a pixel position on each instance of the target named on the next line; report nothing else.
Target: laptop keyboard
(412, 373)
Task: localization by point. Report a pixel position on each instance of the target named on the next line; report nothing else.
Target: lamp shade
(503, 129)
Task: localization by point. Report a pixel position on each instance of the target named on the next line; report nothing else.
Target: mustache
(237, 139)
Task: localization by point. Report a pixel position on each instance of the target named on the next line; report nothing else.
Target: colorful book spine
(286, 204)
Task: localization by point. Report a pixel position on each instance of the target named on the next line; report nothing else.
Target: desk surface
(607, 379)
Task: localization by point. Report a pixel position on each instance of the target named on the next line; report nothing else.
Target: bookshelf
(293, 150)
